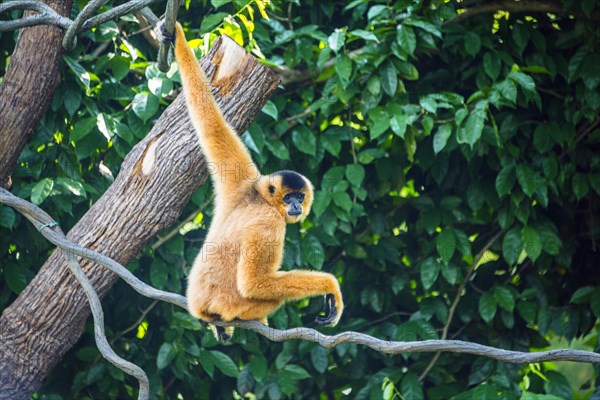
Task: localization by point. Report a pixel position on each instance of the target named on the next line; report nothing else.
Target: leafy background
(456, 161)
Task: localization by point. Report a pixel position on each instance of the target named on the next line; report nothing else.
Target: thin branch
(456, 300)
(512, 6)
(425, 346)
(107, 352)
(170, 19)
(70, 39)
(45, 224)
(47, 16)
(82, 23)
(136, 323)
(39, 218)
(114, 13)
(163, 239)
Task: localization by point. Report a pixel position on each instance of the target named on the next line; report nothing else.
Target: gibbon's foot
(164, 35)
(220, 332)
(330, 311)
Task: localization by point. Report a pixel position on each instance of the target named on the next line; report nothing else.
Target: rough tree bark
(156, 180)
(29, 84)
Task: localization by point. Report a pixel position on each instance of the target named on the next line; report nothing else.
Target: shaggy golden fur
(236, 274)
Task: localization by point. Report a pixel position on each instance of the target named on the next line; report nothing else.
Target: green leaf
(512, 246)
(224, 363)
(492, 65)
(379, 122)
(487, 306)
(583, 294)
(296, 372)
(528, 179)
(532, 244)
(406, 38)
(355, 173)
(450, 273)
(41, 191)
(446, 244)
(590, 72)
(399, 123)
(542, 141)
(504, 297)
(361, 33)
(312, 252)
(429, 104)
(321, 202)
(7, 217)
(304, 140)
(166, 354)
(145, 105)
(258, 367)
(80, 73)
(580, 185)
(430, 270)
(336, 40)
(508, 90)
(15, 278)
(160, 86)
(551, 242)
(82, 128)
(525, 81)
(278, 149)
(411, 388)
(186, 321)
(389, 78)
(342, 200)
(319, 357)
(72, 100)
(120, 66)
(558, 385)
(472, 43)
(441, 137)
(270, 109)
(159, 273)
(426, 26)
(331, 143)
(473, 128)
(505, 180)
(343, 68)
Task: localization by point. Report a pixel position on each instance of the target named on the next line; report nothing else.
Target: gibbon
(236, 274)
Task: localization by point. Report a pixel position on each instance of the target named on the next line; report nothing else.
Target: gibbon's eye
(300, 197)
(287, 199)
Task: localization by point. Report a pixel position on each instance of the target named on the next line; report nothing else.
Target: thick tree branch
(23, 101)
(83, 22)
(523, 6)
(155, 182)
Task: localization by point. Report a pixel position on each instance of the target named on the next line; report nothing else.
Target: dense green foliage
(452, 159)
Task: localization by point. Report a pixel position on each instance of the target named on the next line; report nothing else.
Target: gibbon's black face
(294, 201)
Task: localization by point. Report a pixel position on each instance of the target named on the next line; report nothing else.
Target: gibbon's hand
(164, 35)
(329, 309)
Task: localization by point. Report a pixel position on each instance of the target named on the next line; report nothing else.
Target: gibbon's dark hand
(164, 35)
(330, 311)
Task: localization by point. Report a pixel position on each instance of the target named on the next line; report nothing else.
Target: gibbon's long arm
(255, 280)
(230, 163)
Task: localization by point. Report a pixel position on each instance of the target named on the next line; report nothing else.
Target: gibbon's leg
(295, 285)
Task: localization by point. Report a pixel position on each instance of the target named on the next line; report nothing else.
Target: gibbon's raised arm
(230, 163)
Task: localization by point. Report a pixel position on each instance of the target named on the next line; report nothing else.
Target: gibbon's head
(288, 192)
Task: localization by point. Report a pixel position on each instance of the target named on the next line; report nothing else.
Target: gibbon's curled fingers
(236, 274)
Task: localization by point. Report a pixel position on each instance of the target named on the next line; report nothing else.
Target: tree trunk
(29, 84)
(156, 181)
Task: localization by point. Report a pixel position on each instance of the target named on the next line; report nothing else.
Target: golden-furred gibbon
(236, 274)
